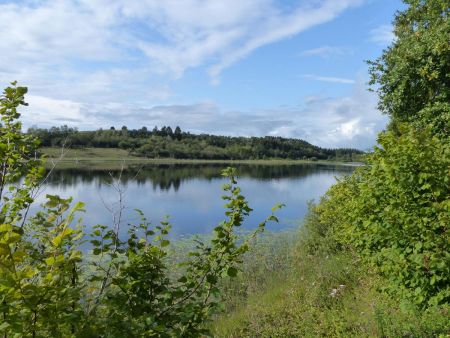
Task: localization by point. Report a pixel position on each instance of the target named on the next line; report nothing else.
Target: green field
(115, 158)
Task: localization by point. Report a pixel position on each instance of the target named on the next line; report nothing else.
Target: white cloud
(48, 31)
(159, 93)
(382, 35)
(329, 79)
(55, 112)
(325, 51)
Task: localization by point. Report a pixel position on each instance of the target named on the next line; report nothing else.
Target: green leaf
(164, 243)
(212, 279)
(6, 227)
(232, 271)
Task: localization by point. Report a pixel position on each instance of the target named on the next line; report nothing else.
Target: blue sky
(235, 67)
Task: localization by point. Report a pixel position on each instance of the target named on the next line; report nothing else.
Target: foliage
(436, 117)
(413, 73)
(17, 153)
(182, 145)
(396, 211)
(126, 288)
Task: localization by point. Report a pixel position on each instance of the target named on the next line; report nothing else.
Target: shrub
(395, 212)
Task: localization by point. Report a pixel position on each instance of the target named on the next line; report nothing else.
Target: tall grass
(301, 284)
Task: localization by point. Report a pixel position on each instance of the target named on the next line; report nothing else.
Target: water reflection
(171, 176)
(190, 194)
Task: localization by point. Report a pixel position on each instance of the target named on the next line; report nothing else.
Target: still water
(191, 194)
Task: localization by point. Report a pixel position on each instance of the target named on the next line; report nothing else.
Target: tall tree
(412, 76)
(177, 133)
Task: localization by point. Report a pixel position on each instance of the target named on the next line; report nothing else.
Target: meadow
(116, 158)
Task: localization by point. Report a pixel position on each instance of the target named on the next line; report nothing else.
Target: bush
(395, 213)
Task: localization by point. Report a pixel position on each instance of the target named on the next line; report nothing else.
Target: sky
(290, 68)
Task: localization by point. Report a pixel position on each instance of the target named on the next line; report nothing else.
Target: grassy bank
(115, 158)
(293, 285)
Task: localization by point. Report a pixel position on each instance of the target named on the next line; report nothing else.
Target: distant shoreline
(115, 159)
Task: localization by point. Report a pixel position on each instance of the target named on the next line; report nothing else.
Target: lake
(191, 194)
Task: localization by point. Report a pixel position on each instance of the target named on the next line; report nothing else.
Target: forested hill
(168, 143)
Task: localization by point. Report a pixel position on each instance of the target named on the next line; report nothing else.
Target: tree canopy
(412, 76)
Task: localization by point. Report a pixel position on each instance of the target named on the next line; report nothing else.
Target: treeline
(175, 143)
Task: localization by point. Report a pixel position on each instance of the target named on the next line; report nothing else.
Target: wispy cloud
(329, 79)
(58, 38)
(325, 51)
(283, 26)
(382, 35)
